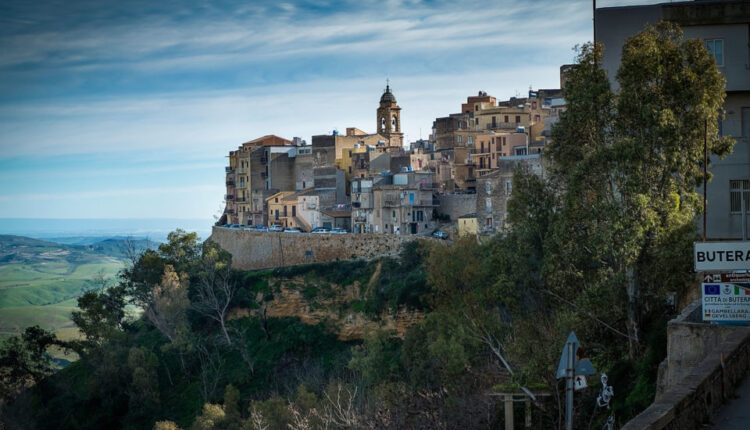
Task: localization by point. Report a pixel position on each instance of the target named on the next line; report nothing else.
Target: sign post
(572, 363)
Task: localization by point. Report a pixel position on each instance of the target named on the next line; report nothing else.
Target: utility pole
(705, 174)
(594, 18)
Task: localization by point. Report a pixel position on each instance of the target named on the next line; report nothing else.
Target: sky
(127, 109)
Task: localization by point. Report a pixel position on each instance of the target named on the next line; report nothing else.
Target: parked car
(338, 230)
(235, 226)
(261, 228)
(440, 235)
(320, 230)
(292, 230)
(276, 227)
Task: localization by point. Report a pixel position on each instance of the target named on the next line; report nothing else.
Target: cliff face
(337, 305)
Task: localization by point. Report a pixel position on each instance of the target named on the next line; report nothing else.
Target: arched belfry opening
(389, 118)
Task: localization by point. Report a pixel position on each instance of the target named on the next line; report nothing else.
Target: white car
(292, 230)
(276, 227)
(338, 230)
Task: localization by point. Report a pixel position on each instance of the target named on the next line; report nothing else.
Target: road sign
(726, 301)
(580, 382)
(727, 278)
(711, 256)
(582, 365)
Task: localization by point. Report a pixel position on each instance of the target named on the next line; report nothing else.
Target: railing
(360, 219)
(228, 169)
(240, 200)
(391, 202)
(228, 197)
(230, 183)
(242, 171)
(229, 211)
(242, 184)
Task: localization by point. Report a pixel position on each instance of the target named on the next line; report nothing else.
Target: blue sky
(127, 109)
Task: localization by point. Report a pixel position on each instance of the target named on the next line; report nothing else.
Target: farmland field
(41, 281)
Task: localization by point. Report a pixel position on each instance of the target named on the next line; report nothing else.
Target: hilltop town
(363, 182)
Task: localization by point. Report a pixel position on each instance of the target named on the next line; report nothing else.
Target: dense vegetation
(587, 252)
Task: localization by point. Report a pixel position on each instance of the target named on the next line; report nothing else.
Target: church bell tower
(389, 118)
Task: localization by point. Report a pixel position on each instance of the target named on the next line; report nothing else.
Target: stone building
(403, 206)
(495, 188)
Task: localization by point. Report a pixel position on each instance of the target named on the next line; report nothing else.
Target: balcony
(391, 202)
(240, 200)
(228, 197)
(242, 171)
(360, 219)
(228, 169)
(230, 183)
(229, 211)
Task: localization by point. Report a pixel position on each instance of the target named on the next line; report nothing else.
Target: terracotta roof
(269, 140)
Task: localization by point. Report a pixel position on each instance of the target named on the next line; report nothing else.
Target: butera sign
(717, 256)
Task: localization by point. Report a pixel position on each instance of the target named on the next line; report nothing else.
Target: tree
(169, 304)
(628, 164)
(24, 359)
(216, 287)
(101, 315)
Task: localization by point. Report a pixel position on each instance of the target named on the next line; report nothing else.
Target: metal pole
(705, 174)
(569, 386)
(744, 211)
(594, 18)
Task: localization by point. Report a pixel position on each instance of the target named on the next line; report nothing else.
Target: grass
(40, 283)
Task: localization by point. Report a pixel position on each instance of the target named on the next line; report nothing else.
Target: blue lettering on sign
(711, 289)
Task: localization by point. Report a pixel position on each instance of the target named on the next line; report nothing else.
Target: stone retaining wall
(253, 250)
(710, 361)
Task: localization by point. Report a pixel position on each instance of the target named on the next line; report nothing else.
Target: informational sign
(726, 301)
(715, 256)
(580, 382)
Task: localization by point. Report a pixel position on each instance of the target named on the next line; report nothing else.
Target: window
(488, 187)
(746, 122)
(508, 186)
(533, 105)
(520, 150)
(518, 119)
(294, 210)
(736, 190)
(394, 215)
(716, 49)
(469, 140)
(459, 125)
(506, 118)
(458, 138)
(488, 204)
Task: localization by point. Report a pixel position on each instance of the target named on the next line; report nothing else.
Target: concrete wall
(703, 385)
(689, 342)
(456, 205)
(259, 250)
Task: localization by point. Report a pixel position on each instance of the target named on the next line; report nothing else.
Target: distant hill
(41, 280)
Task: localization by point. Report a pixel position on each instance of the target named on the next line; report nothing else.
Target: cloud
(87, 195)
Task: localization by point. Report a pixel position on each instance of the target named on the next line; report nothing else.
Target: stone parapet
(710, 361)
(252, 250)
